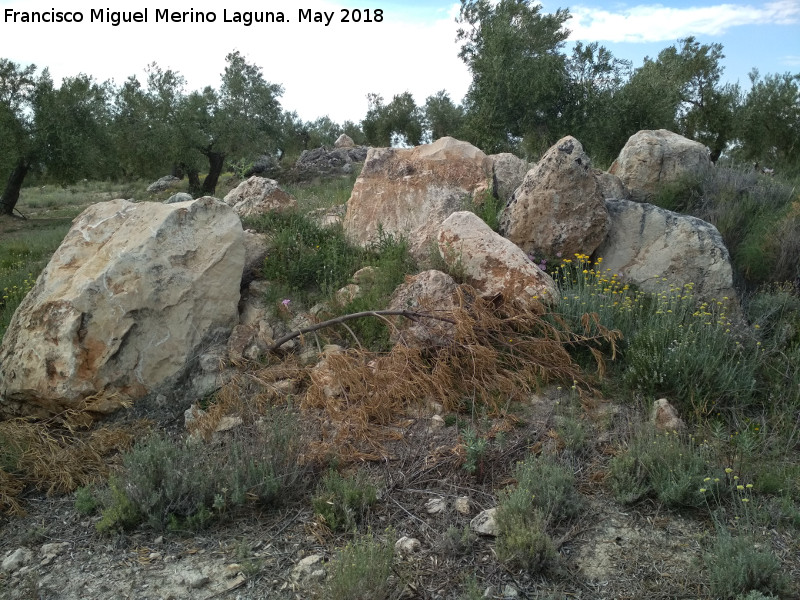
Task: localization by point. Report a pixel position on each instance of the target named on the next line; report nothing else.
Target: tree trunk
(216, 160)
(10, 195)
(194, 183)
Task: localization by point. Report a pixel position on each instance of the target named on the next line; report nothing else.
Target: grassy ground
(592, 502)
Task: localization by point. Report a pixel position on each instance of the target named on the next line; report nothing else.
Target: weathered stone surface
(492, 264)
(664, 416)
(258, 195)
(162, 184)
(410, 191)
(610, 186)
(179, 197)
(344, 141)
(652, 158)
(509, 172)
(320, 161)
(407, 545)
(653, 248)
(127, 300)
(430, 291)
(559, 206)
(484, 523)
(256, 247)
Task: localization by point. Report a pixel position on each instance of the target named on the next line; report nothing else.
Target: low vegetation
(730, 370)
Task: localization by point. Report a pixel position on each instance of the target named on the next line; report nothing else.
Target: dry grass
(497, 355)
(52, 458)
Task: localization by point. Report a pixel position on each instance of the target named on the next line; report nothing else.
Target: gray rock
(162, 184)
(179, 197)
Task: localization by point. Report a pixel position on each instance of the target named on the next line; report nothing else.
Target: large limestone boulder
(654, 248)
(651, 159)
(344, 141)
(126, 302)
(492, 264)
(509, 171)
(258, 195)
(559, 207)
(410, 191)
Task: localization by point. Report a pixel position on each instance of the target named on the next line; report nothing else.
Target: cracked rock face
(654, 248)
(127, 300)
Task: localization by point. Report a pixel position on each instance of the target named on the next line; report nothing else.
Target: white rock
(407, 545)
(126, 302)
(463, 505)
(484, 523)
(259, 195)
(16, 559)
(435, 505)
(492, 264)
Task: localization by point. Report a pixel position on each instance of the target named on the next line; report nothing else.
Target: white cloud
(324, 70)
(657, 23)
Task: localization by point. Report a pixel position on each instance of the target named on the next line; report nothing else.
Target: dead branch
(381, 314)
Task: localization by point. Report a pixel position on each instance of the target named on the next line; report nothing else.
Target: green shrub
(85, 501)
(360, 571)
(736, 566)
(342, 502)
(669, 466)
(488, 207)
(165, 485)
(522, 540)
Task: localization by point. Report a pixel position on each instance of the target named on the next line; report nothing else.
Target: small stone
(510, 592)
(484, 523)
(232, 570)
(437, 422)
(153, 556)
(406, 545)
(307, 568)
(435, 506)
(16, 560)
(158, 541)
(463, 505)
(665, 417)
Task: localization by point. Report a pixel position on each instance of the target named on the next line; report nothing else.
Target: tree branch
(413, 316)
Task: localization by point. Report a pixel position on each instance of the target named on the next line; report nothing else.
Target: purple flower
(286, 302)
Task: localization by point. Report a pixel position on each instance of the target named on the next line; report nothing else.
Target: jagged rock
(652, 158)
(463, 505)
(430, 291)
(264, 166)
(126, 302)
(509, 172)
(407, 545)
(321, 161)
(256, 248)
(435, 505)
(258, 195)
(610, 186)
(347, 294)
(559, 207)
(179, 197)
(16, 559)
(484, 523)
(664, 416)
(655, 248)
(162, 184)
(492, 264)
(410, 191)
(344, 141)
(308, 569)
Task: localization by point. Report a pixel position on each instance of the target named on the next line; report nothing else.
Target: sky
(329, 68)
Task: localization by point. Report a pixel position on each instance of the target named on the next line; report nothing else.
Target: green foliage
(522, 540)
(519, 77)
(669, 466)
(398, 123)
(307, 261)
(488, 207)
(342, 502)
(457, 541)
(21, 261)
(85, 501)
(119, 510)
(360, 571)
(736, 566)
(164, 485)
(545, 495)
(770, 112)
(442, 117)
(475, 445)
